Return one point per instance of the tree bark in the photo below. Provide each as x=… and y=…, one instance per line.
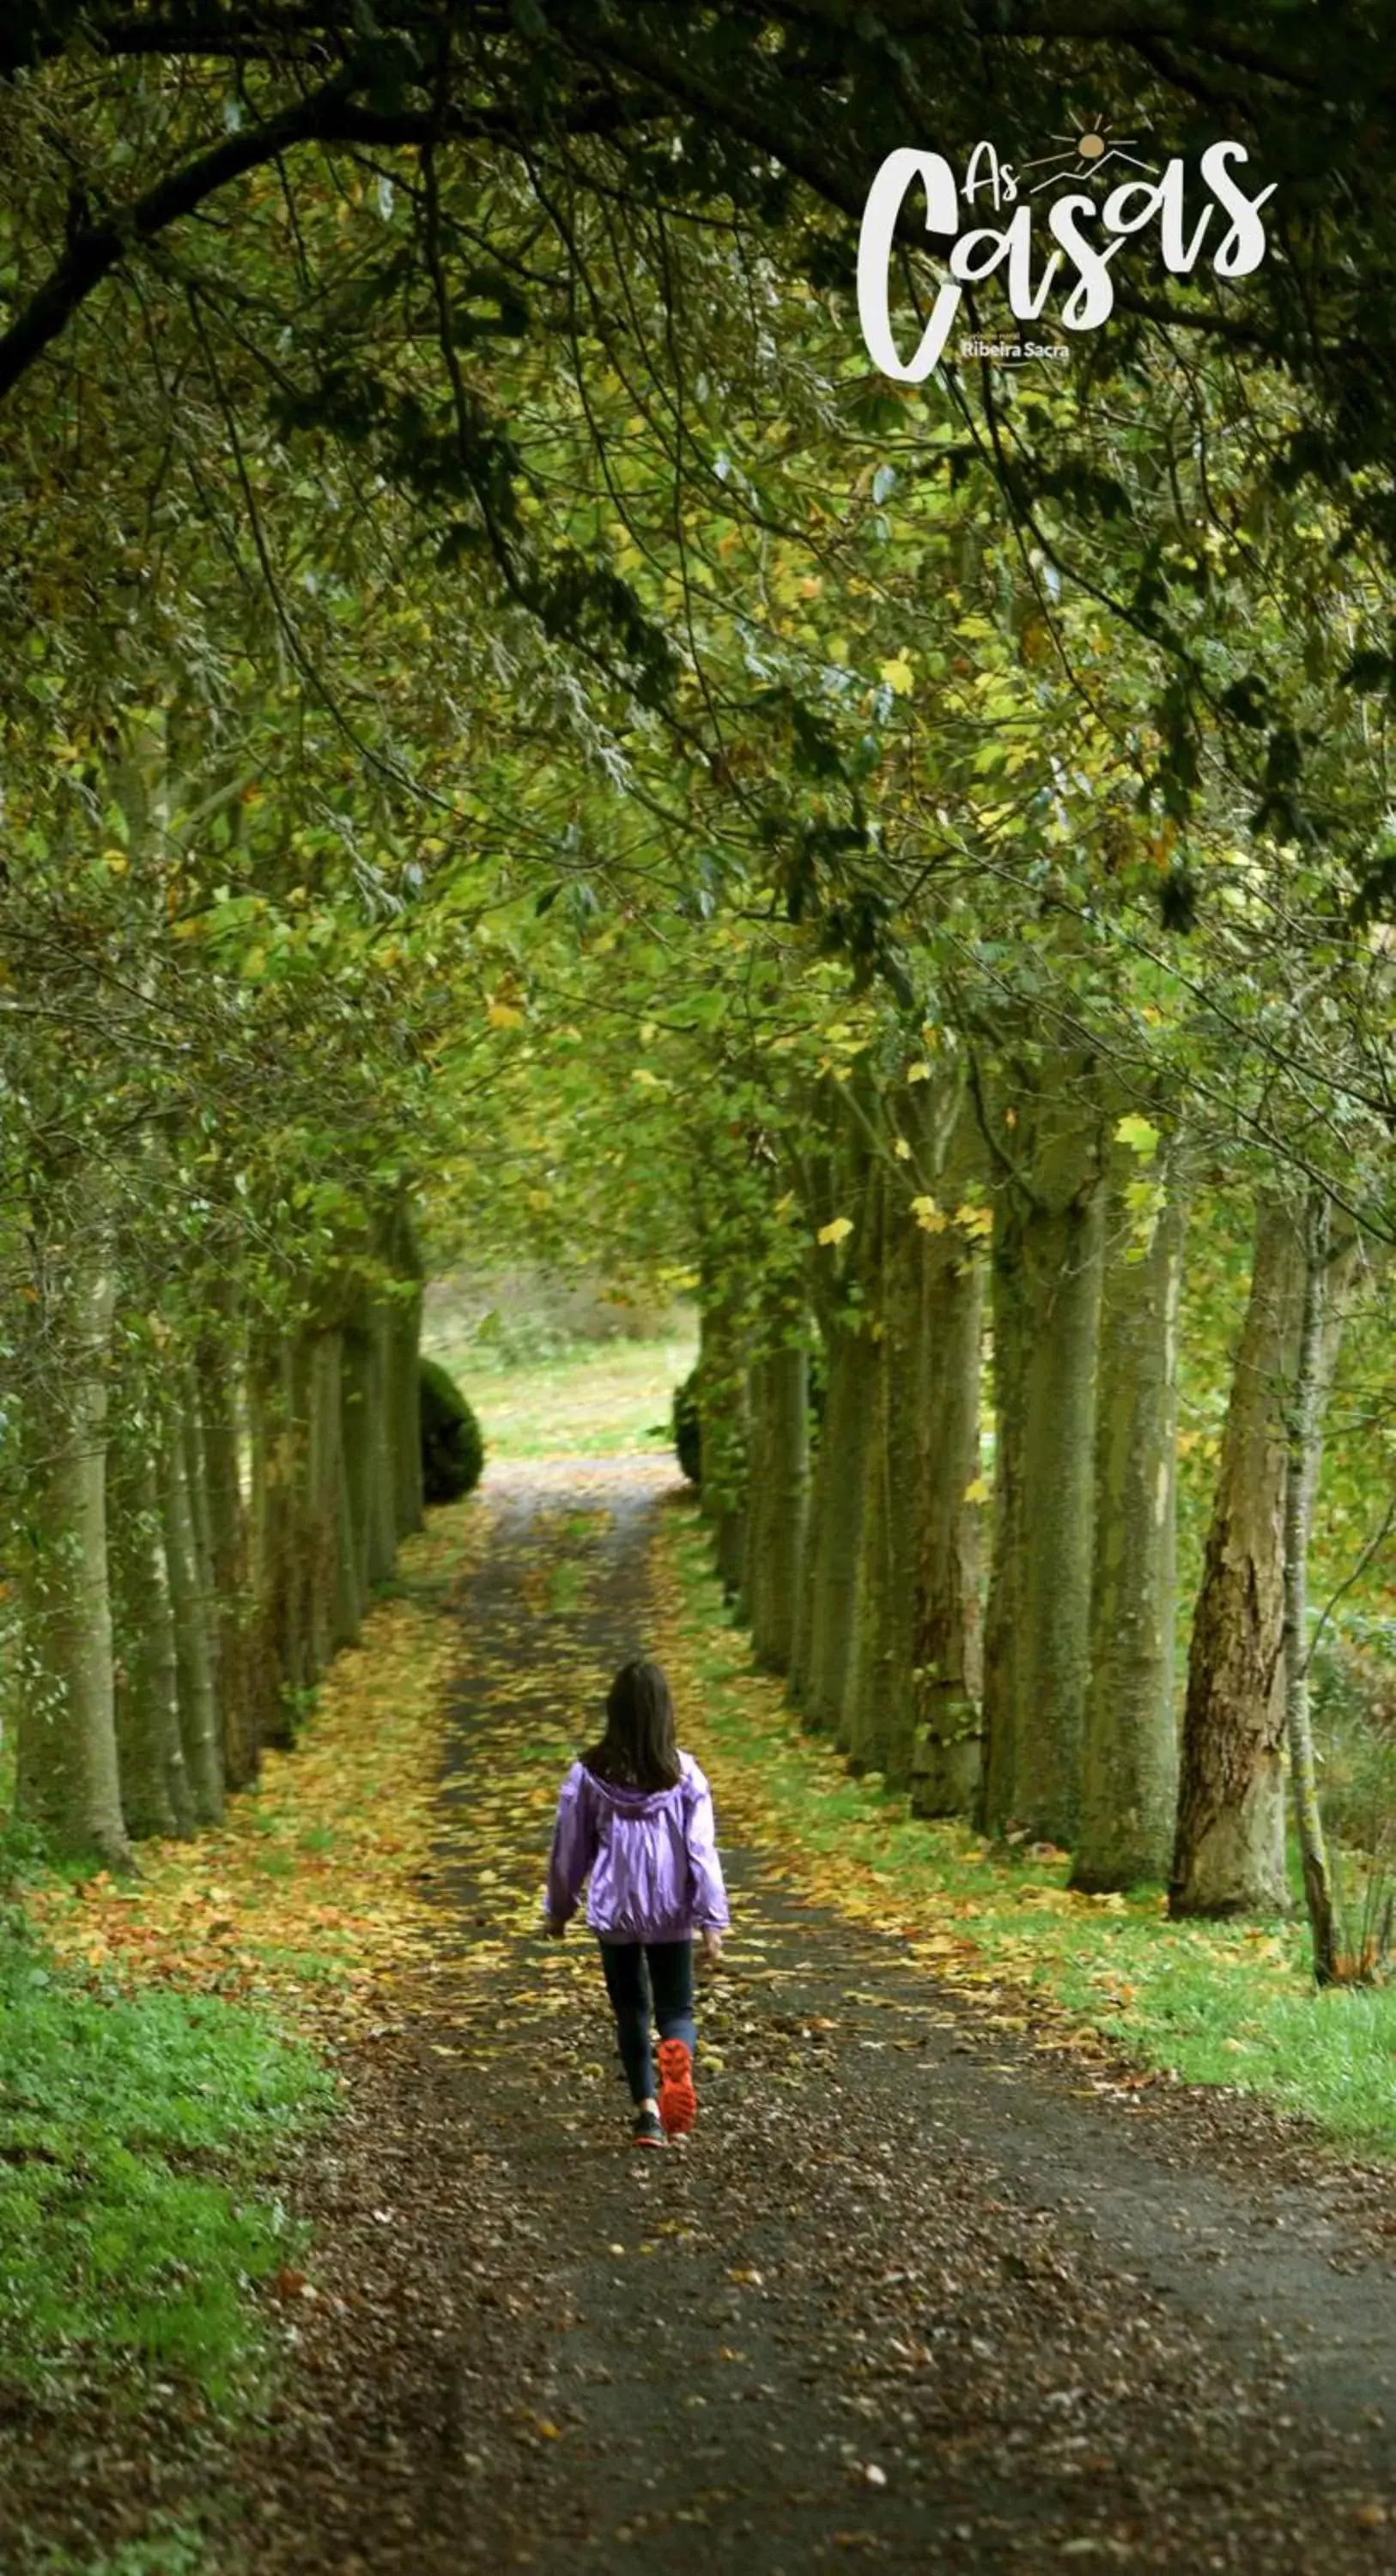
x=948, y=1655
x=280, y=1657
x=797, y=1677
x=1301, y=1480
x=1130, y=1760
x=1228, y=1852
x=189, y=1605
x=947, y=1645
x=403, y=1398
x=1048, y=1247
x=67, y=1779
x=834, y=1567
x=155, y=1793
x=723, y=1433
x=779, y=1495
x=219, y=1430
x=880, y=1718
x=857, y=1729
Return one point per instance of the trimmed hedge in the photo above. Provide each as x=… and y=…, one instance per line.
x=453, y=1450
x=687, y=1436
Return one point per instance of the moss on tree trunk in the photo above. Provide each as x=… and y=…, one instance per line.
x=833, y=1571
x=724, y=1432
x=190, y=1609
x=1049, y=1238
x=220, y=1435
x=1228, y=1853
x=155, y=1794
x=779, y=1493
x=947, y=1649
x=66, y=1757
x=1130, y=1759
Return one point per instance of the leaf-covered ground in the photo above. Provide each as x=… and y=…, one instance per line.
x=920, y=2292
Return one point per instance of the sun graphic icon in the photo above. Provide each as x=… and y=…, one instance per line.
x=1087, y=150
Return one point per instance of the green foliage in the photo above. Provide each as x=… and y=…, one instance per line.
x=453, y=1450
x=1354, y=1715
x=172, y=2549
x=130, y=2131
x=688, y=1445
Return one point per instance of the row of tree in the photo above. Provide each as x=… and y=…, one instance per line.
x=200, y=1523
x=1036, y=1694
x=479, y=652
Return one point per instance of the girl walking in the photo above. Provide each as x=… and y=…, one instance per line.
x=636, y=1816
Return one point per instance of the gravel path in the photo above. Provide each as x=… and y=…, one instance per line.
x=910, y=2295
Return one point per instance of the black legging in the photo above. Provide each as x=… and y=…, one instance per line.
x=667, y=1990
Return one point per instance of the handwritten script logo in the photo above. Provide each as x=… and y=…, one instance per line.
x=1089, y=233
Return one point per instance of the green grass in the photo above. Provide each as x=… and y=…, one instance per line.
x=176, y=2549
x=596, y=1402
x=1225, y=2003
x=132, y=2129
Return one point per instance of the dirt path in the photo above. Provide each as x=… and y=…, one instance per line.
x=908, y=2297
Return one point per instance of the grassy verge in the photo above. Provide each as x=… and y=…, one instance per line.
x=132, y=2128
x=595, y=1402
x=1213, y=2003
x=161, y=2036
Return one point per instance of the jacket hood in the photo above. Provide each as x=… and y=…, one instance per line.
x=635, y=1802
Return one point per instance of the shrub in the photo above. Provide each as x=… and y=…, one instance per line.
x=453, y=1452
x=687, y=1436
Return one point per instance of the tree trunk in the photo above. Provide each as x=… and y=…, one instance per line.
x=228, y=1559
x=947, y=1647
x=801, y=1640
x=1003, y=1610
x=359, y=1429
x=858, y=1728
x=1228, y=1853
x=339, y=1591
x=1301, y=1479
x=280, y=1659
x=834, y=1566
x=881, y=1716
x=155, y=1793
x=944, y=1386
x=723, y=1435
x=67, y=1778
x=779, y=1500
x=402, y=1395
x=194, y=1673
x=1049, y=1242
x=382, y=1488
x=1130, y=1762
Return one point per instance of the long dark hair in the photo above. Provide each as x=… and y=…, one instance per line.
x=638, y=1750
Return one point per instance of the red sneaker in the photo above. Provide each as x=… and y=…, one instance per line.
x=678, y=2103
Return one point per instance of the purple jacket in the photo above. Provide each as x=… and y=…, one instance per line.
x=651, y=1855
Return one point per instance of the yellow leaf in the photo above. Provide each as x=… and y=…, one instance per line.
x=836, y=1230
x=976, y=1491
x=898, y=676
x=902, y=1150
x=504, y=1015
x=932, y=1219
x=918, y=1073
